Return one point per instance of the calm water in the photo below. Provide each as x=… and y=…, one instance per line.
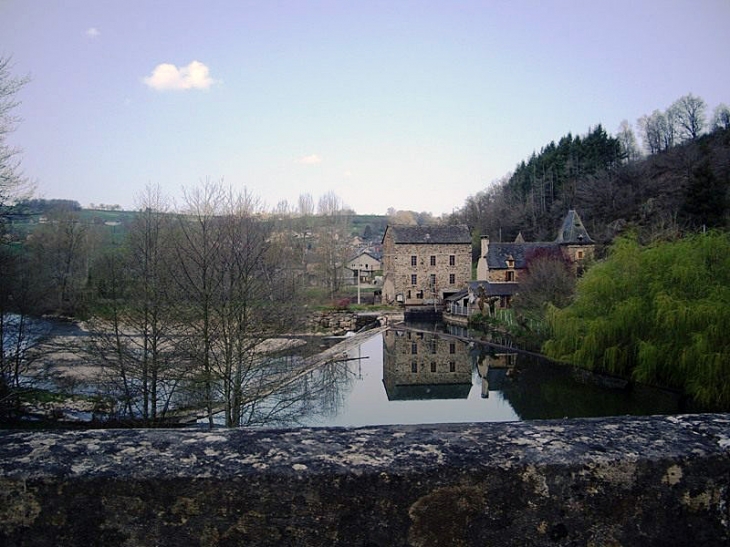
x=424, y=375
x=415, y=377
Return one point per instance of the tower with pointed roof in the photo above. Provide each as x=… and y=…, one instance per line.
x=575, y=243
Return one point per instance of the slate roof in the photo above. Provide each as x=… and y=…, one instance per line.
x=457, y=296
x=499, y=253
x=455, y=233
x=572, y=231
x=494, y=289
x=372, y=254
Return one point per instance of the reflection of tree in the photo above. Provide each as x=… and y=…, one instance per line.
x=20, y=335
x=285, y=395
x=333, y=381
x=544, y=390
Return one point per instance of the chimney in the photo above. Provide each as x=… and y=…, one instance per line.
x=485, y=246
x=482, y=269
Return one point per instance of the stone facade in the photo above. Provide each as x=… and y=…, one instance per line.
x=506, y=262
x=502, y=265
x=424, y=264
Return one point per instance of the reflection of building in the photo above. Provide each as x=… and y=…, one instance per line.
x=493, y=369
x=419, y=365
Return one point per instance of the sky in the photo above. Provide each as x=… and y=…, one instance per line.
x=410, y=105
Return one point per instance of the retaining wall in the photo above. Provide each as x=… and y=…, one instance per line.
x=615, y=481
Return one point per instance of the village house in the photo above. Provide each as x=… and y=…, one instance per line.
x=365, y=265
x=422, y=265
x=501, y=265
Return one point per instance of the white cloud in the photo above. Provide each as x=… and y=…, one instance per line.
x=92, y=32
x=166, y=76
x=314, y=159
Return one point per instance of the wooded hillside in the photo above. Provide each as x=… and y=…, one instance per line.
x=679, y=189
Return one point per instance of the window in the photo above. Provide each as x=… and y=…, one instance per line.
x=414, y=348
x=452, y=366
x=434, y=346
x=414, y=279
x=414, y=260
x=510, y=276
x=419, y=294
x=414, y=367
x=432, y=280
x=580, y=255
x=433, y=260
x=452, y=348
x=433, y=366
x=452, y=279
x=452, y=260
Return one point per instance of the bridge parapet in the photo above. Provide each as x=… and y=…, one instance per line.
x=610, y=481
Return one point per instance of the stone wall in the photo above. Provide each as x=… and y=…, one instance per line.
x=615, y=481
x=334, y=322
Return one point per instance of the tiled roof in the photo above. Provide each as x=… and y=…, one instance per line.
x=572, y=231
x=455, y=233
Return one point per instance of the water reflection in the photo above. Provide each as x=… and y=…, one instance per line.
x=418, y=366
x=406, y=376
x=416, y=376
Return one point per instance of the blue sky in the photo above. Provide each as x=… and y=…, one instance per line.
x=410, y=105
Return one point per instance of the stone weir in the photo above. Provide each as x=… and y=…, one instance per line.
x=613, y=481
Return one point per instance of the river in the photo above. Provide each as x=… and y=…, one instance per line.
x=418, y=374
x=408, y=376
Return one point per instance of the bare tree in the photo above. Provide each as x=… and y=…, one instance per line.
x=332, y=245
x=240, y=308
x=198, y=278
x=721, y=117
x=689, y=116
x=12, y=180
x=651, y=131
x=628, y=141
x=61, y=250
x=306, y=205
x=658, y=130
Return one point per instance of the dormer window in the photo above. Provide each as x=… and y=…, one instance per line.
x=510, y=262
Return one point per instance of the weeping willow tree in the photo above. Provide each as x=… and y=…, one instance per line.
x=658, y=314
